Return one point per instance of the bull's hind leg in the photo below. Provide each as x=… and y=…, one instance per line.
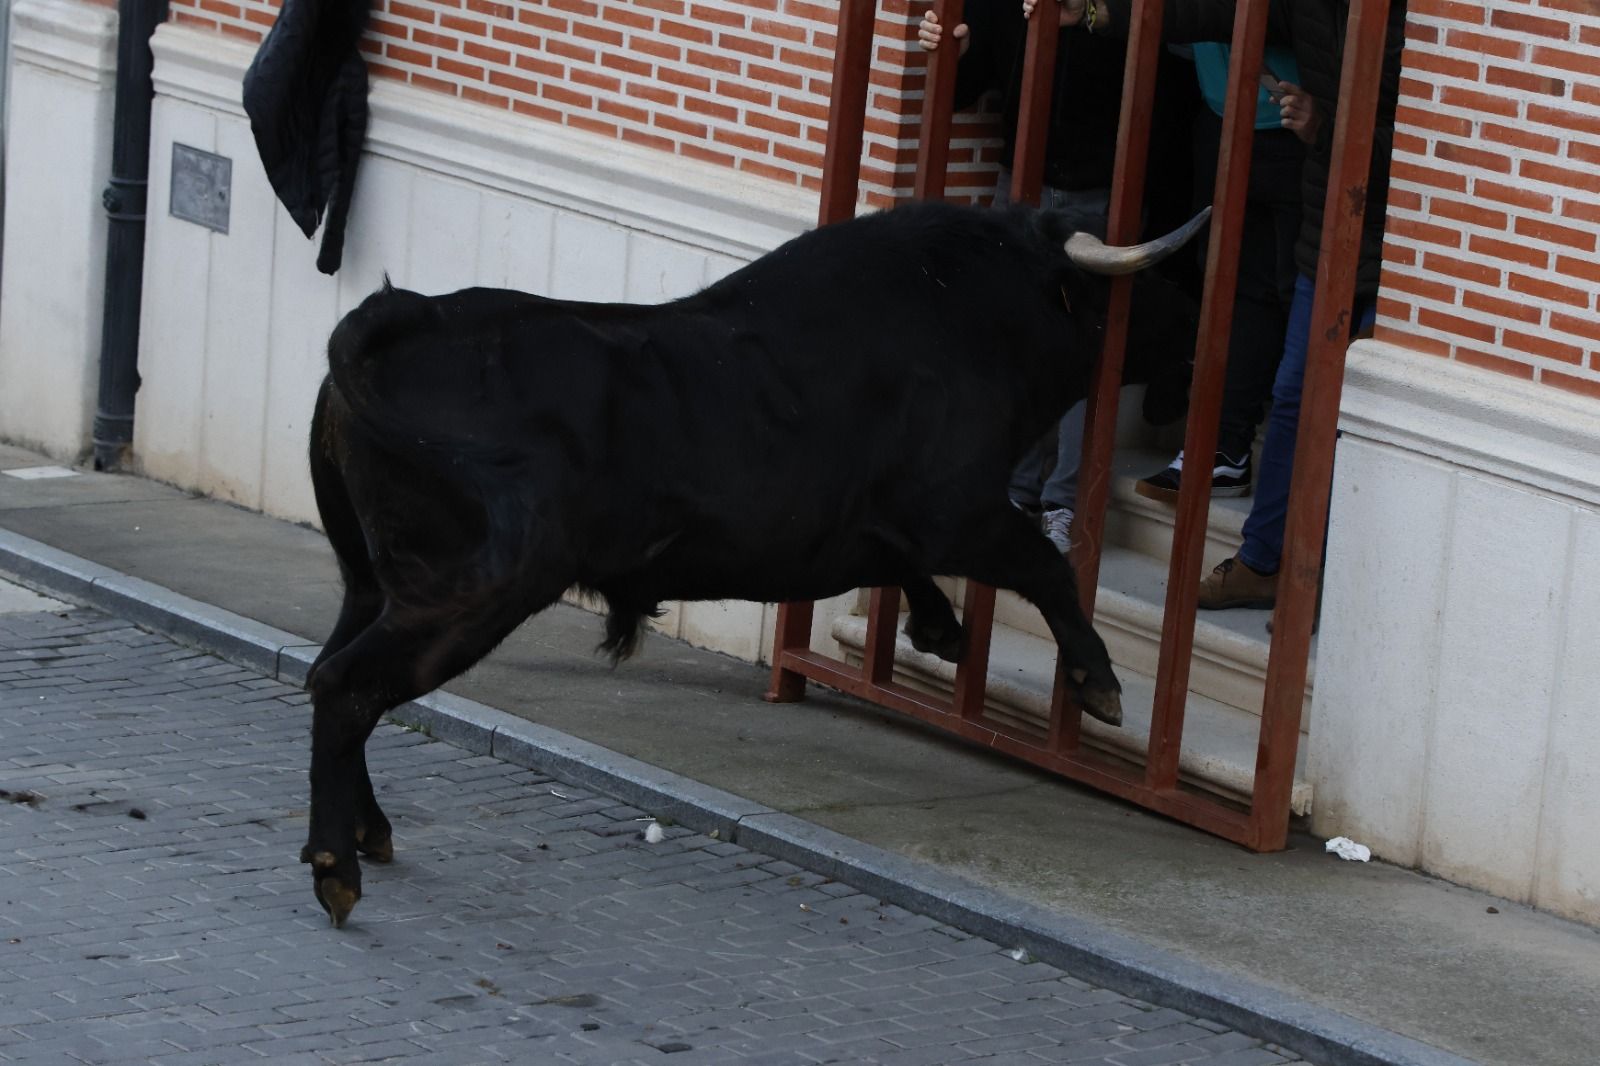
x=402, y=655
x=1006, y=550
x=931, y=623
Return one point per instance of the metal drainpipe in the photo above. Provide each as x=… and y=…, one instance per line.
x=124, y=200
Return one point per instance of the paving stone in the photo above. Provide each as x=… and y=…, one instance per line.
x=524, y=920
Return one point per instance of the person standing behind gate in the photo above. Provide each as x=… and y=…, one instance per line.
x=1266, y=255
x=1080, y=153
x=1314, y=30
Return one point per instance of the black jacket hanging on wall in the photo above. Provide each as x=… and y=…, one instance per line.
x=306, y=95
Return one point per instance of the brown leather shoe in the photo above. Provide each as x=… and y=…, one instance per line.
x=1233, y=584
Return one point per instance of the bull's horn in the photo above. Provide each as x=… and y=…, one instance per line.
x=1097, y=257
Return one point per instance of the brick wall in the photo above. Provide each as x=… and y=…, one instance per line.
x=740, y=83
x=1493, y=252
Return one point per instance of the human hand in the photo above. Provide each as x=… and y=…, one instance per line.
x=930, y=33
x=1297, y=111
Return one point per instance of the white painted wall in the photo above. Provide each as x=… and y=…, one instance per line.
x=52, y=283
x=1458, y=667
x=449, y=195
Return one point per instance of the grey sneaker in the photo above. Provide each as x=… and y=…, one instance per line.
x=1058, y=527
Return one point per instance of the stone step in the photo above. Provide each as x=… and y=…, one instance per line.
x=1219, y=741
x=1229, y=664
x=1145, y=526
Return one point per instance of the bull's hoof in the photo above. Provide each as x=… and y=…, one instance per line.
x=947, y=645
x=378, y=849
x=337, y=885
x=1103, y=703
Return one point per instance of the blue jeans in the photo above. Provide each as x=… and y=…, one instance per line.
x=1263, y=530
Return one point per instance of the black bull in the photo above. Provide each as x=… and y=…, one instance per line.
x=842, y=413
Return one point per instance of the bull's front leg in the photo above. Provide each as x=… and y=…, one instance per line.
x=345, y=816
x=1006, y=550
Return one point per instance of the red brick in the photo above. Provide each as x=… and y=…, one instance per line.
x=802, y=157
x=1537, y=171
x=614, y=61
x=1471, y=100
x=590, y=124
x=1581, y=7
x=581, y=8
x=1429, y=119
x=528, y=107
x=736, y=139
x=1542, y=346
x=244, y=33
x=1409, y=144
x=626, y=112
x=1482, y=273
x=1495, y=305
x=1404, y=201
x=1497, y=363
x=750, y=46
x=424, y=15
x=1448, y=65
x=773, y=76
x=1511, y=194
x=485, y=53
x=1578, y=209
x=697, y=131
x=1416, y=90
x=1416, y=31
x=714, y=61
x=543, y=67
x=1401, y=170
x=781, y=31
x=1405, y=338
x=1561, y=59
x=1570, y=383
x=400, y=53
x=670, y=7
x=511, y=81
x=718, y=16
x=652, y=93
x=464, y=27
x=568, y=50
x=468, y=71
x=626, y=16
x=595, y=80
x=749, y=94
x=808, y=61
x=1476, y=158
x=1547, y=290
x=1520, y=137
x=697, y=82
x=767, y=170
x=562, y=95
x=1453, y=10
x=1521, y=22
x=490, y=7
x=803, y=108
x=385, y=28
x=1486, y=44
x=1526, y=80
x=516, y=37
x=383, y=70
x=438, y=85
x=1578, y=327
x=1399, y=255
x=1426, y=232
x=1393, y=310
x=530, y=16
x=1410, y=284
x=1541, y=230
x=1576, y=121
x=659, y=49
x=478, y=96
x=603, y=34
x=1509, y=251
x=1456, y=325
x=1587, y=269
x=435, y=40
x=685, y=31
x=706, y=155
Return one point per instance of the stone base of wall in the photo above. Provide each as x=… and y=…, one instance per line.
x=449, y=195
x=1458, y=667
x=52, y=282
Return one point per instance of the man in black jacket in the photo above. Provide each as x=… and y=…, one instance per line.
x=1314, y=29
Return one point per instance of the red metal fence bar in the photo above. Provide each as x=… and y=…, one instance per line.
x=1205, y=393
x=1301, y=567
x=1156, y=786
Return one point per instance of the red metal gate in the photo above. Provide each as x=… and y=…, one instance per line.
x=1261, y=825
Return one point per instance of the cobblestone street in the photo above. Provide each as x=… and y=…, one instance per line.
x=152, y=909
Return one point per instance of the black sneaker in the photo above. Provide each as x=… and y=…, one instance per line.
x=1229, y=477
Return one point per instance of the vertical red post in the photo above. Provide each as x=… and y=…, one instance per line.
x=938, y=101
x=1205, y=393
x=841, y=180
x=1301, y=567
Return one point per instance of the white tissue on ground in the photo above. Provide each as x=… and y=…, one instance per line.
x=654, y=834
x=1346, y=848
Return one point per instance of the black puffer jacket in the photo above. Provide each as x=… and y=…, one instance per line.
x=1314, y=29
x=306, y=95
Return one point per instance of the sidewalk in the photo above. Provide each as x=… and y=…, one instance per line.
x=1290, y=937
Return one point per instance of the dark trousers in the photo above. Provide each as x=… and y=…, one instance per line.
x=1267, y=272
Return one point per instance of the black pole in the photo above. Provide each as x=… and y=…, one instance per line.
x=124, y=200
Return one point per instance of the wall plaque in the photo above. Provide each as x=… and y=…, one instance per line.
x=201, y=187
